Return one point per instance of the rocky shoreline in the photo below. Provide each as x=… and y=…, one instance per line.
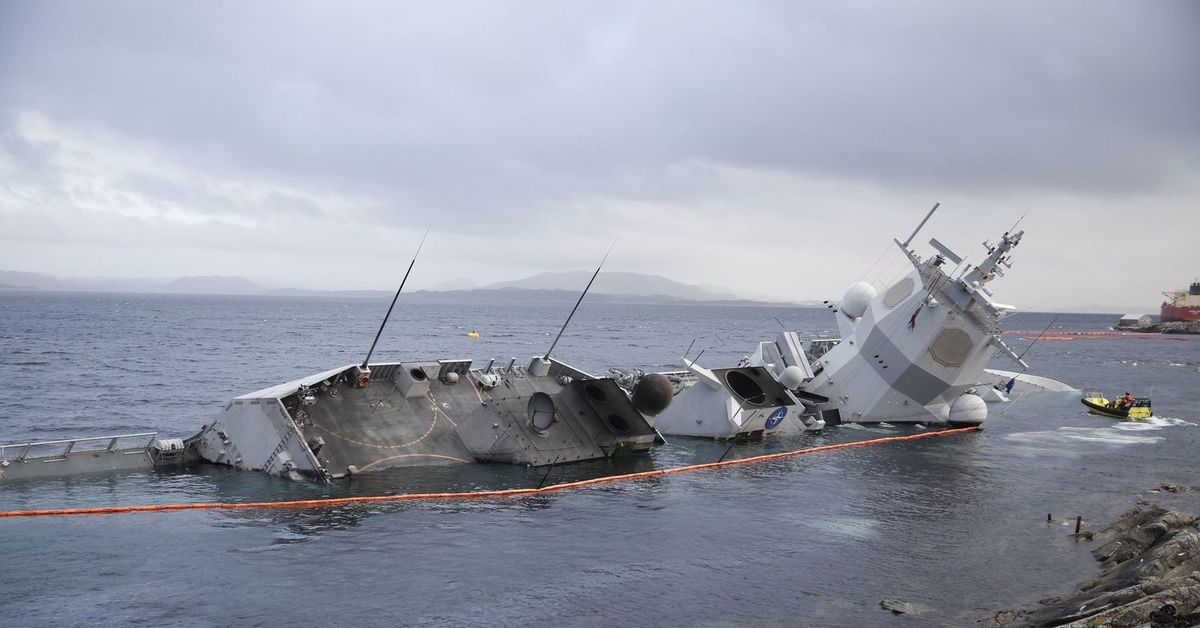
x=1173, y=327
x=1150, y=561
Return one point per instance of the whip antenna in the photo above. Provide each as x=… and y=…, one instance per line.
x=583, y=294
x=1039, y=337
x=389, y=312
x=1010, y=229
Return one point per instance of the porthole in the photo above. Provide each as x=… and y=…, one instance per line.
x=595, y=393
x=541, y=413
x=618, y=423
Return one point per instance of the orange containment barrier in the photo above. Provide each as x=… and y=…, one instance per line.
x=512, y=492
x=1095, y=335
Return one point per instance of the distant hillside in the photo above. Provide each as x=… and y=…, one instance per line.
x=1107, y=309
x=481, y=296
x=525, y=295
x=39, y=281
x=616, y=287
x=454, y=284
x=19, y=280
x=617, y=283
x=212, y=284
x=610, y=287
x=623, y=283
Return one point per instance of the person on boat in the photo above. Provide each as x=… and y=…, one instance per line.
x=1127, y=401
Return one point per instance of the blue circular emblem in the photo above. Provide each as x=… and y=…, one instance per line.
x=776, y=418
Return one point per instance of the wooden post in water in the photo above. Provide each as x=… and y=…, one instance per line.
x=1078, y=523
x=1048, y=518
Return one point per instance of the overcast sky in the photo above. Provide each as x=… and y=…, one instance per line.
x=773, y=148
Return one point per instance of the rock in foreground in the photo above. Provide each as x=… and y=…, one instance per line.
x=900, y=607
x=1151, y=577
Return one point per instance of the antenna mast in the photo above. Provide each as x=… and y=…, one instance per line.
x=389, y=311
x=923, y=221
x=912, y=257
x=583, y=294
x=1035, y=340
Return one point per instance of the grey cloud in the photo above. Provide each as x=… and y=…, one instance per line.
x=529, y=131
x=478, y=106
x=164, y=191
x=32, y=161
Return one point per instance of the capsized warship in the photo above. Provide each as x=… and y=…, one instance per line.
x=366, y=417
x=913, y=353
x=357, y=418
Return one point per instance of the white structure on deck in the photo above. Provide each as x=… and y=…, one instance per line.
x=753, y=399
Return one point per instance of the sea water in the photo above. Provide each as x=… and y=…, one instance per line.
x=957, y=524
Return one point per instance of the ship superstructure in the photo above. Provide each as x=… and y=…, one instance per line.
x=1182, y=305
x=914, y=352
x=756, y=397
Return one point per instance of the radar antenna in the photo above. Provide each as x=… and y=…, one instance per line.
x=389, y=311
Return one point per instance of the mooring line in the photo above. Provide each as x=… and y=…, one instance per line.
x=512, y=492
x=374, y=446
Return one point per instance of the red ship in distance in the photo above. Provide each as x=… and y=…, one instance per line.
x=1182, y=305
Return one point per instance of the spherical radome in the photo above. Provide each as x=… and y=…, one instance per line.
x=968, y=410
x=792, y=377
x=652, y=394
x=858, y=298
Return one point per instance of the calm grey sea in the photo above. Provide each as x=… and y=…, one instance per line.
x=957, y=524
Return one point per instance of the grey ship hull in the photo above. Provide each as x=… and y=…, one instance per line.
x=327, y=426
x=98, y=454
x=349, y=420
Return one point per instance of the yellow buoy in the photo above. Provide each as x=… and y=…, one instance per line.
x=473, y=334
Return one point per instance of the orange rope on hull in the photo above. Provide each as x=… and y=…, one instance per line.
x=512, y=492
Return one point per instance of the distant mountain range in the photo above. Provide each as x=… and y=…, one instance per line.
x=636, y=284
x=616, y=287
x=1108, y=309
x=564, y=286
x=212, y=284
x=13, y=280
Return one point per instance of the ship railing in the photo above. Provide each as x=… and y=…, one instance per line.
x=53, y=450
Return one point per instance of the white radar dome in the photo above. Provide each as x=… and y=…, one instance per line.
x=968, y=410
x=857, y=299
x=792, y=377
